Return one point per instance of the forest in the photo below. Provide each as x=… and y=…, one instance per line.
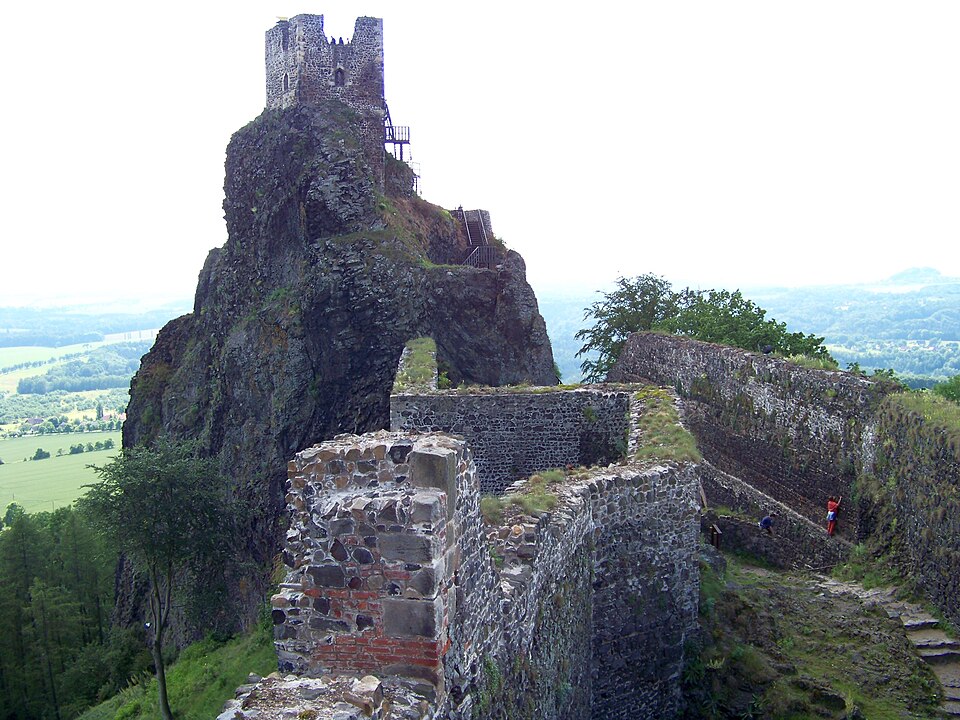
x=58, y=651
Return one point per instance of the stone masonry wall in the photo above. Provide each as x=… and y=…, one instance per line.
x=797, y=542
x=585, y=612
x=303, y=66
x=916, y=463
x=372, y=550
x=794, y=433
x=515, y=433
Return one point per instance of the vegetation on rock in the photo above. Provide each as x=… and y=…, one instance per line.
x=662, y=436
x=774, y=645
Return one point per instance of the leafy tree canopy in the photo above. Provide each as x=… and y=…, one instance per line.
x=949, y=389
x=648, y=302
x=167, y=510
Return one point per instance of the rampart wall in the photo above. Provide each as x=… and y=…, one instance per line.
x=795, y=542
x=515, y=433
x=915, y=500
x=583, y=611
x=794, y=433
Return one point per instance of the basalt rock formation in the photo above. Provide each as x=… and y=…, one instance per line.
x=300, y=318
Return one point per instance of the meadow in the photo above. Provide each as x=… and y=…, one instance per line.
x=10, y=356
x=43, y=485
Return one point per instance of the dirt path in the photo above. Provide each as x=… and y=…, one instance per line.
x=932, y=644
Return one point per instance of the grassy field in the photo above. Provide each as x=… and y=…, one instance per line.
x=15, y=355
x=40, y=485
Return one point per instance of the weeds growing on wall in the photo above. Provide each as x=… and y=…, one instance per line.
x=814, y=363
x=662, y=437
x=533, y=499
x=418, y=368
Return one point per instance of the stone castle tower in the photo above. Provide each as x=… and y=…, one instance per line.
x=304, y=67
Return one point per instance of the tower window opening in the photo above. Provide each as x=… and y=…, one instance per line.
x=286, y=82
x=338, y=77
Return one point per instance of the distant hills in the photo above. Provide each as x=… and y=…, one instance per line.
x=59, y=326
x=909, y=322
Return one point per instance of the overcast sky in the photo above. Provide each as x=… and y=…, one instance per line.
x=715, y=143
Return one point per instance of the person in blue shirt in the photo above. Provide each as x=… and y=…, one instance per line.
x=767, y=523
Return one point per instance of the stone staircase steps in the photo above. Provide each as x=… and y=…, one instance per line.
x=918, y=623
x=933, y=645
x=933, y=640
x=939, y=656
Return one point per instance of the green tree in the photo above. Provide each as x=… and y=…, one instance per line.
x=728, y=318
x=949, y=389
x=13, y=511
x=163, y=507
x=648, y=302
x=640, y=303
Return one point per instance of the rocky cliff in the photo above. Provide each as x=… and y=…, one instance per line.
x=300, y=318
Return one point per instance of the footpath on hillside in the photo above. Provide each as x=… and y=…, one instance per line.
x=933, y=644
x=781, y=644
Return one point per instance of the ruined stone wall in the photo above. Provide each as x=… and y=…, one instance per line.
x=514, y=434
x=578, y=612
x=797, y=542
x=377, y=527
x=916, y=500
x=303, y=66
x=794, y=433
x=646, y=589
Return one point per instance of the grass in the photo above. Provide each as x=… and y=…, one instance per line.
x=533, y=499
x=202, y=679
x=42, y=485
x=419, y=366
x=870, y=572
x=812, y=362
x=934, y=408
x=662, y=437
x=774, y=646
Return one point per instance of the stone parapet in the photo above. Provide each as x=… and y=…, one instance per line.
x=577, y=612
x=371, y=550
x=514, y=433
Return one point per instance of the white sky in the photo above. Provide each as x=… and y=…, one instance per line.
x=716, y=143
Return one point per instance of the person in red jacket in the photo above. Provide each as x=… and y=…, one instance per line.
x=833, y=507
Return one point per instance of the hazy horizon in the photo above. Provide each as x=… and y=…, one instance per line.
x=730, y=144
